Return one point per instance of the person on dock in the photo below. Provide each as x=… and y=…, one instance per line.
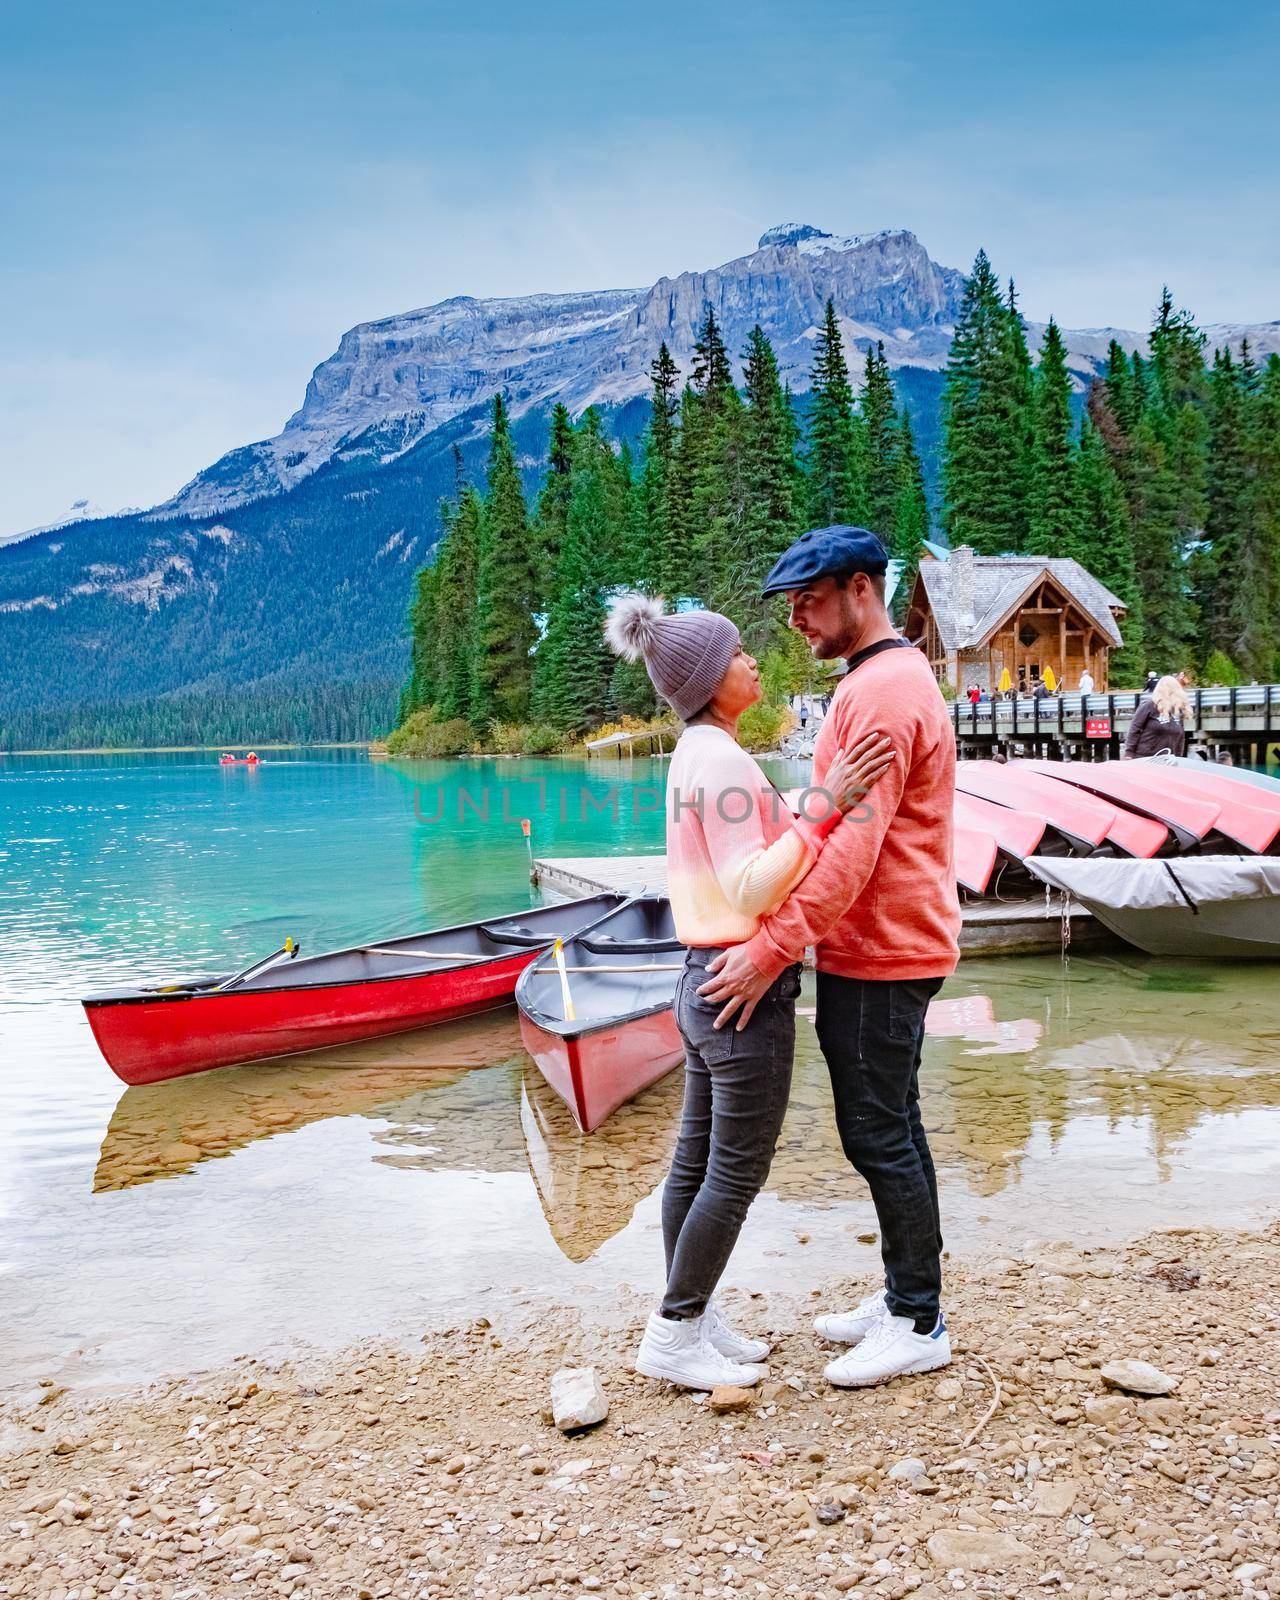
x=1159, y=723
x=734, y=851
x=881, y=907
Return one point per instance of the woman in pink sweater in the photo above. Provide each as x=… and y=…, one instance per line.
x=734, y=853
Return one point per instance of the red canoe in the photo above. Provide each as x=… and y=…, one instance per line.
x=1248, y=817
x=1187, y=817
x=307, y=1003
x=1017, y=833
x=621, y=974
x=976, y=855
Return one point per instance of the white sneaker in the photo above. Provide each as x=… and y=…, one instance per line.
x=892, y=1348
x=734, y=1345
x=849, y=1327
x=681, y=1353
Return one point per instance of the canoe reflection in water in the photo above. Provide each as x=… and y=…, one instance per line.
x=1044, y=1064
x=165, y=1129
x=588, y=1185
x=458, y=1097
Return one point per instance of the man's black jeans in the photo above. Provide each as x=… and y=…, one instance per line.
x=871, y=1033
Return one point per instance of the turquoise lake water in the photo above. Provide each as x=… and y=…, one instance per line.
x=384, y=1188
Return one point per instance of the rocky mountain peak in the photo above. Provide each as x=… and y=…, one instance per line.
x=790, y=233
x=392, y=382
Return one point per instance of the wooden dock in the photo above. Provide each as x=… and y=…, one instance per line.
x=1243, y=723
x=655, y=740
x=990, y=927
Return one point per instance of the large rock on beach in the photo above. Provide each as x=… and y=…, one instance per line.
x=977, y=1549
x=1137, y=1377
x=577, y=1399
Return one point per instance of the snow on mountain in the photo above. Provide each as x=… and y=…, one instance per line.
x=80, y=511
x=390, y=383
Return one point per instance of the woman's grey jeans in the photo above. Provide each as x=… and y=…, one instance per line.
x=736, y=1087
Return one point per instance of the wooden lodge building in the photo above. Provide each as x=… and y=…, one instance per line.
x=976, y=615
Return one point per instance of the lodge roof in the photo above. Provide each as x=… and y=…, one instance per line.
x=998, y=585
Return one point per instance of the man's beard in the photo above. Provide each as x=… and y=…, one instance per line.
x=832, y=647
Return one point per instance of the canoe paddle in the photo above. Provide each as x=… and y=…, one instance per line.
x=288, y=948
x=557, y=950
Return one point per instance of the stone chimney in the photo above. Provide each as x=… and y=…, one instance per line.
x=961, y=563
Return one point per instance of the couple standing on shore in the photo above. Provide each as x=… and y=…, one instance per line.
x=868, y=880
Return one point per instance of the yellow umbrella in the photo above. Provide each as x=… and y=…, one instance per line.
x=1050, y=682
x=1006, y=682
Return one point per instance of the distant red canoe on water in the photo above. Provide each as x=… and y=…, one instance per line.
x=251, y=760
x=307, y=1003
x=622, y=975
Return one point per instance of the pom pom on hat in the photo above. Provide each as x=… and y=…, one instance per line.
x=632, y=626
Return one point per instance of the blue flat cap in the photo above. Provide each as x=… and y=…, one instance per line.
x=825, y=550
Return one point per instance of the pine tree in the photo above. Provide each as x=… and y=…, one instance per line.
x=910, y=506
x=593, y=453
x=1267, y=490
x=553, y=498
x=712, y=374
x=772, y=489
x=681, y=576
x=1123, y=387
x=457, y=564
x=836, y=492
x=420, y=691
x=574, y=667
x=1254, y=616
x=1230, y=506
x=1054, y=521
x=710, y=472
x=878, y=410
x=1021, y=420
x=774, y=486
x=985, y=420
x=659, y=570
x=505, y=632
x=1105, y=545
x=1157, y=543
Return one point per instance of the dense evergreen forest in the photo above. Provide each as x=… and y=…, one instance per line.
x=316, y=713
x=1167, y=487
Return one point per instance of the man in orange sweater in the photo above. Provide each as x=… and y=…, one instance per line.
x=881, y=908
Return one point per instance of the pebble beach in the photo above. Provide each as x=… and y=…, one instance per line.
x=1109, y=1428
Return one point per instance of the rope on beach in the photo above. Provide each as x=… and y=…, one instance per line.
x=988, y=1413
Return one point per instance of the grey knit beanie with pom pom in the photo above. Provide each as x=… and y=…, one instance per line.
x=687, y=655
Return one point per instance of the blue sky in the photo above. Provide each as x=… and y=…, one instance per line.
x=195, y=202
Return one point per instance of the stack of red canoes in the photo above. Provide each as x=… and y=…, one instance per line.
x=1007, y=811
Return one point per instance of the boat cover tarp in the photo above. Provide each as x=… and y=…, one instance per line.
x=1126, y=885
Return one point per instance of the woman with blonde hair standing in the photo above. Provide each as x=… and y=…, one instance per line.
x=1160, y=723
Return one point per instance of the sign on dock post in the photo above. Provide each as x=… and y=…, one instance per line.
x=1097, y=728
